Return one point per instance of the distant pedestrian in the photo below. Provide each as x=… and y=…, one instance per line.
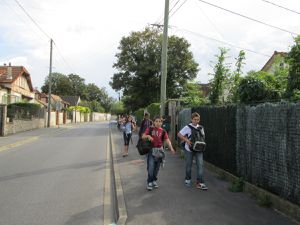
x=146, y=122
x=128, y=127
x=185, y=134
x=157, y=136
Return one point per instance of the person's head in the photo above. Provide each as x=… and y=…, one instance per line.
x=129, y=118
x=146, y=115
x=157, y=120
x=195, y=118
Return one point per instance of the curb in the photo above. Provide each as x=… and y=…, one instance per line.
x=120, y=200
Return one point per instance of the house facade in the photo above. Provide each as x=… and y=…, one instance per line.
x=15, y=85
x=277, y=57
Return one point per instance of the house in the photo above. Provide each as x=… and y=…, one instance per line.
x=205, y=88
x=39, y=98
x=276, y=57
x=73, y=100
x=15, y=84
x=58, y=104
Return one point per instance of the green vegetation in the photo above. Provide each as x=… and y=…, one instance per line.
x=138, y=64
x=237, y=185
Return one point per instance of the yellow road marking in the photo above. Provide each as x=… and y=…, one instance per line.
x=19, y=143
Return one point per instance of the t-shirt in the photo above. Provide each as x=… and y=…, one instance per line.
x=127, y=128
x=156, y=135
x=186, y=131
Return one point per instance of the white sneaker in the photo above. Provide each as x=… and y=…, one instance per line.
x=149, y=186
x=155, y=184
x=187, y=183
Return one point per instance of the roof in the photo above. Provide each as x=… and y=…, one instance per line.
x=73, y=100
x=17, y=71
x=270, y=62
x=205, y=88
x=57, y=98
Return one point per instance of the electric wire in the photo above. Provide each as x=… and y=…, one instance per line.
x=272, y=3
x=38, y=26
x=249, y=18
x=216, y=40
x=177, y=9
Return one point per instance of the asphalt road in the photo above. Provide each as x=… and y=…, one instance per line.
x=57, y=179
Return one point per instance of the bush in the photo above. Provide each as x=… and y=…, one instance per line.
x=153, y=109
x=139, y=115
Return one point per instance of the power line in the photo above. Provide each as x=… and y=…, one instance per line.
x=178, y=8
x=63, y=58
x=38, y=26
x=282, y=7
x=249, y=18
x=223, y=42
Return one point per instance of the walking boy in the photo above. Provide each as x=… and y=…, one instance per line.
x=185, y=135
x=155, y=156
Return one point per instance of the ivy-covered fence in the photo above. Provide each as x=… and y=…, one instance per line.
x=268, y=147
x=220, y=132
x=260, y=143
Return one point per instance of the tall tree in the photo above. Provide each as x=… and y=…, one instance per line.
x=139, y=62
x=220, y=74
x=293, y=58
x=78, y=85
x=235, y=77
x=60, y=84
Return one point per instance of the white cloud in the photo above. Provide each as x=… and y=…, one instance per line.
x=87, y=33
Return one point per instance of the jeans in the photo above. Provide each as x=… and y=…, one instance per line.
x=189, y=163
x=153, y=165
x=126, y=138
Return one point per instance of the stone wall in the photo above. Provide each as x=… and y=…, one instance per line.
x=23, y=125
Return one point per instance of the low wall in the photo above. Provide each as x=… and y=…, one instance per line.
x=23, y=125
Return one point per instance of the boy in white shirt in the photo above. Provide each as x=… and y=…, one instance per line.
x=185, y=135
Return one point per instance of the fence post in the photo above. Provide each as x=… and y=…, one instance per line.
x=3, y=113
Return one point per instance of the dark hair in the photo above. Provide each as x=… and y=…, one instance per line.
x=146, y=114
x=157, y=117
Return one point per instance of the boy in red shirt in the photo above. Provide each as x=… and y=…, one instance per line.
x=156, y=154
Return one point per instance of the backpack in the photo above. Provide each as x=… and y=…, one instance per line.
x=144, y=146
x=197, y=138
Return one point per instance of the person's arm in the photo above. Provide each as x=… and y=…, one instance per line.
x=184, y=138
x=147, y=136
x=170, y=146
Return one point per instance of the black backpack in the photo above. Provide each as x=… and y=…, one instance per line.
x=144, y=146
x=197, y=138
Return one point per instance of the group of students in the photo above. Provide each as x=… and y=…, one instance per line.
x=153, y=132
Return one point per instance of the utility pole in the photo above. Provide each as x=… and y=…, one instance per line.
x=50, y=83
x=164, y=61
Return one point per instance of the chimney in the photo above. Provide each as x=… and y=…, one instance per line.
x=9, y=72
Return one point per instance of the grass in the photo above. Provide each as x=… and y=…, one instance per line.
x=237, y=185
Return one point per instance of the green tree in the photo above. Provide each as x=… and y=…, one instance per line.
x=293, y=59
x=235, y=77
x=139, y=62
x=220, y=74
x=60, y=85
x=117, y=108
x=251, y=90
x=78, y=86
x=193, y=95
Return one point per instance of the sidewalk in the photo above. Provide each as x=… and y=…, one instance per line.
x=174, y=204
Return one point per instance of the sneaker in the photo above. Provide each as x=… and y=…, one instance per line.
x=187, y=183
x=155, y=184
x=201, y=186
x=149, y=186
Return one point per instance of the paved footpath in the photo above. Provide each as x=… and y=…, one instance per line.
x=174, y=204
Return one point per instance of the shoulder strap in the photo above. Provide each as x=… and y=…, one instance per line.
x=163, y=135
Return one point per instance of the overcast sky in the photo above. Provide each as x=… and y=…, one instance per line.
x=87, y=33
